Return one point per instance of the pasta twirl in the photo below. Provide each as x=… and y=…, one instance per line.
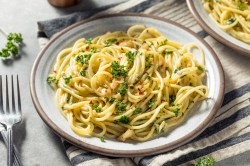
x=233, y=16
x=133, y=85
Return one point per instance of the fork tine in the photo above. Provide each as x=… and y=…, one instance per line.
x=1, y=95
x=7, y=96
x=13, y=95
x=18, y=95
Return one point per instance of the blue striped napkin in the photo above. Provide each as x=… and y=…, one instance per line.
x=228, y=135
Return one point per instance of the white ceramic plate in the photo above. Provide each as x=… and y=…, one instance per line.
x=202, y=17
x=194, y=124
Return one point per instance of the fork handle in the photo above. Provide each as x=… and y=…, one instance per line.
x=17, y=161
x=10, y=146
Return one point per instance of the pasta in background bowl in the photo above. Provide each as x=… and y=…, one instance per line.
x=122, y=64
x=225, y=20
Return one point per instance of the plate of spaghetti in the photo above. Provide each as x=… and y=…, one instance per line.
x=139, y=85
x=228, y=21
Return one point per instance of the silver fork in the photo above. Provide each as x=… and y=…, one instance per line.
x=9, y=117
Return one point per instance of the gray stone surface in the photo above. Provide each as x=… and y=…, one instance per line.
x=37, y=144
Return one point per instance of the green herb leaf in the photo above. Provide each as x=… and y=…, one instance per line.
x=68, y=98
x=183, y=76
x=150, y=104
x=89, y=41
x=111, y=100
x=123, y=88
x=164, y=42
x=178, y=69
x=229, y=21
x=172, y=98
x=120, y=106
x=131, y=56
x=137, y=111
x=205, y=161
x=51, y=79
x=5, y=53
x=16, y=37
x=167, y=52
x=109, y=42
x=102, y=139
x=97, y=109
x=93, y=50
x=118, y=70
x=67, y=79
x=200, y=68
x=176, y=111
x=83, y=59
x=124, y=119
x=242, y=6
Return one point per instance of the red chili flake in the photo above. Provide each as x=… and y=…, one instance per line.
x=119, y=58
x=117, y=43
x=90, y=102
x=55, y=71
x=87, y=48
x=141, y=93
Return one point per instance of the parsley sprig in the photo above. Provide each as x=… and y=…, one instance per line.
x=12, y=46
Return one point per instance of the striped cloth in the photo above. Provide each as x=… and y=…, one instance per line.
x=227, y=136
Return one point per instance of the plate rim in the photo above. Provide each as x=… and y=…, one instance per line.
x=127, y=153
x=221, y=39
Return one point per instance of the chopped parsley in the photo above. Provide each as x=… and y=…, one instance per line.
x=124, y=119
x=118, y=70
x=172, y=98
x=109, y=42
x=93, y=50
x=167, y=52
x=89, y=41
x=102, y=139
x=67, y=99
x=178, y=69
x=190, y=84
x=148, y=65
x=123, y=88
x=176, y=111
x=242, y=6
x=137, y=111
x=51, y=80
x=83, y=73
x=120, y=106
x=183, y=76
x=83, y=59
x=164, y=42
x=111, y=100
x=97, y=109
x=115, y=121
x=200, y=68
x=150, y=104
x=131, y=56
x=205, y=161
x=229, y=21
x=148, y=78
x=67, y=79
